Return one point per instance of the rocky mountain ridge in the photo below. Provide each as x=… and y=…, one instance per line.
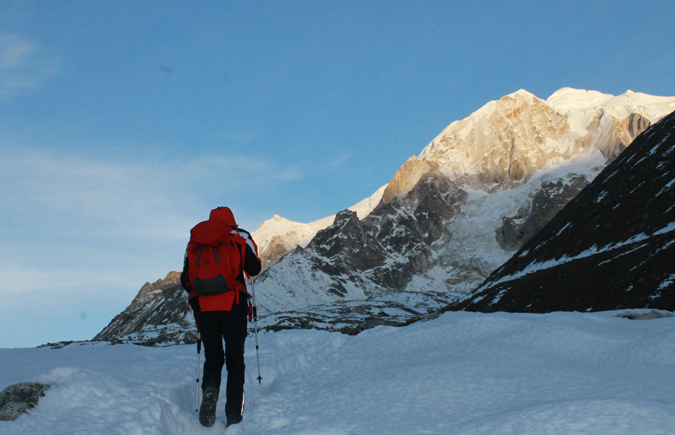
x=278, y=236
x=447, y=219
x=519, y=160
x=356, y=259
x=158, y=315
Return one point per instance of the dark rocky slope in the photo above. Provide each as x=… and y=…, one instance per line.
x=551, y=197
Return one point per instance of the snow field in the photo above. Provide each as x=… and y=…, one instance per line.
x=463, y=373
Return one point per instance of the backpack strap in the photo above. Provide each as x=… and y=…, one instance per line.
x=241, y=243
x=242, y=257
x=250, y=305
x=199, y=255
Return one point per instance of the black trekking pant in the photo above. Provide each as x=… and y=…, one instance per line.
x=214, y=326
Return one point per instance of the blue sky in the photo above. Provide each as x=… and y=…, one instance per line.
x=123, y=123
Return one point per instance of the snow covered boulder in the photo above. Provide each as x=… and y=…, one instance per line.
x=16, y=399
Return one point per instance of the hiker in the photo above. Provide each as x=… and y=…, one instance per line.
x=220, y=306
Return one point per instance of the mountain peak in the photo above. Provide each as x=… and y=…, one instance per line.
x=521, y=93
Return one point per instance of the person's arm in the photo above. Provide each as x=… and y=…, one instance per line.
x=185, y=276
x=252, y=264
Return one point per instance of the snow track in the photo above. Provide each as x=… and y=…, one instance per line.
x=463, y=373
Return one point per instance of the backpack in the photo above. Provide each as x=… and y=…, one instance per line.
x=216, y=258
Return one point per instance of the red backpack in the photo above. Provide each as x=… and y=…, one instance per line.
x=216, y=258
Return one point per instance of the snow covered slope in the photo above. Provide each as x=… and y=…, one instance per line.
x=491, y=227
x=461, y=374
x=584, y=105
x=611, y=247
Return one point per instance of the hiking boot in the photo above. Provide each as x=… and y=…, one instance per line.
x=207, y=412
x=233, y=419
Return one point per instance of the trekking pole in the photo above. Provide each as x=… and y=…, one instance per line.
x=255, y=328
x=199, y=354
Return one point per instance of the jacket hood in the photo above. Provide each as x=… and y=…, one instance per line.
x=223, y=214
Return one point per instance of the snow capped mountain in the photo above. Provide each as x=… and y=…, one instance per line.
x=277, y=237
x=612, y=247
x=517, y=162
x=506, y=141
x=447, y=219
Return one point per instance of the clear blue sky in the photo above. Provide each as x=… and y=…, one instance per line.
x=122, y=123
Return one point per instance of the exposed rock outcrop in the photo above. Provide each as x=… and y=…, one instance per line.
x=352, y=317
x=405, y=179
x=551, y=197
x=17, y=399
